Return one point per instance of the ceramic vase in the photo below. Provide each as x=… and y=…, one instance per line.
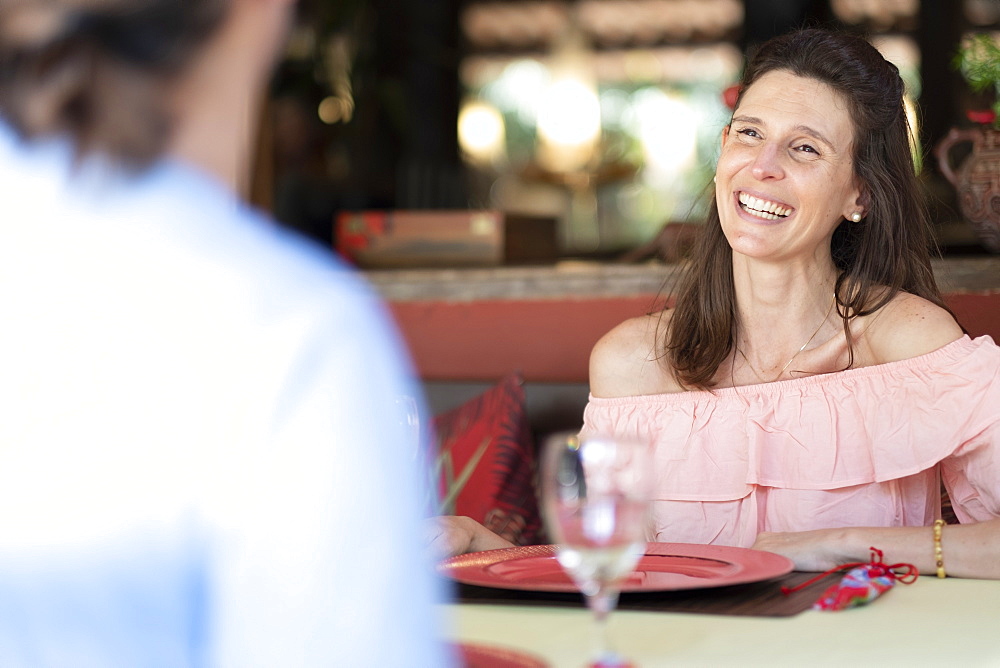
x=977, y=180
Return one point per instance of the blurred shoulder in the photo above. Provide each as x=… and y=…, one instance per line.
x=909, y=326
x=628, y=360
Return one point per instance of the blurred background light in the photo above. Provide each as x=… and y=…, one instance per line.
x=667, y=127
x=481, y=132
x=570, y=114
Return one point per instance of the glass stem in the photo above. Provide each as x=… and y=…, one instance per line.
x=601, y=604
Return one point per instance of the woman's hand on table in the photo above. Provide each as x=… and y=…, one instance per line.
x=449, y=535
x=968, y=550
x=817, y=550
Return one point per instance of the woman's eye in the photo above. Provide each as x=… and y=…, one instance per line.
x=806, y=148
x=748, y=132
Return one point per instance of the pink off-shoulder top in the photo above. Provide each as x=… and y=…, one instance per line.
x=862, y=447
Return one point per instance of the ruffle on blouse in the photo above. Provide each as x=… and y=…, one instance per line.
x=831, y=431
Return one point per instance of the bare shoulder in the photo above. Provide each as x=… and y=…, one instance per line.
x=625, y=361
x=909, y=326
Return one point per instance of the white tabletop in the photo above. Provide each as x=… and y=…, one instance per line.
x=932, y=622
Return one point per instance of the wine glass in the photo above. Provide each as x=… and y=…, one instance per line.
x=595, y=495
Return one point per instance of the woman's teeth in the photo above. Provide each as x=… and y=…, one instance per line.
x=762, y=208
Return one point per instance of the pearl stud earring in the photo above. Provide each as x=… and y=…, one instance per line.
x=856, y=216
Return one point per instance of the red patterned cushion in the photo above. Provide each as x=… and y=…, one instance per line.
x=486, y=462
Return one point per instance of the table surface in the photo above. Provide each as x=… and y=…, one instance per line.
x=931, y=622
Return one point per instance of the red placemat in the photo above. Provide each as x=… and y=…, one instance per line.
x=762, y=599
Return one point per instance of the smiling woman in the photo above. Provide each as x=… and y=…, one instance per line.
x=819, y=139
x=809, y=391
x=814, y=271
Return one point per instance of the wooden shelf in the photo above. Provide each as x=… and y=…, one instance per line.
x=479, y=324
x=595, y=279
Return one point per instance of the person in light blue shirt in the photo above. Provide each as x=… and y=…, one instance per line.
x=198, y=456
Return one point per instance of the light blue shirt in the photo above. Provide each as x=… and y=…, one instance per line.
x=198, y=460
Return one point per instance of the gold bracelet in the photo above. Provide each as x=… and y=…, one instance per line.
x=938, y=552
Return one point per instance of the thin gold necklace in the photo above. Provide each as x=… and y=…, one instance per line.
x=808, y=341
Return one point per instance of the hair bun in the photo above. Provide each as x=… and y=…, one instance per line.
x=97, y=70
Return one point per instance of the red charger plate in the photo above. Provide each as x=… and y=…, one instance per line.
x=665, y=567
x=475, y=655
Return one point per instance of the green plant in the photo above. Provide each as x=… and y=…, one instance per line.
x=978, y=59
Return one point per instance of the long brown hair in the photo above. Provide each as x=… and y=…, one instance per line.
x=96, y=70
x=887, y=252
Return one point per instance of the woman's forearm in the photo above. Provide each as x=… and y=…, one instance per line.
x=968, y=550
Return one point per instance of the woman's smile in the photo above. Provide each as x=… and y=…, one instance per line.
x=762, y=208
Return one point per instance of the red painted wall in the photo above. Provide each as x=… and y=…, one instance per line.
x=550, y=340
x=978, y=313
